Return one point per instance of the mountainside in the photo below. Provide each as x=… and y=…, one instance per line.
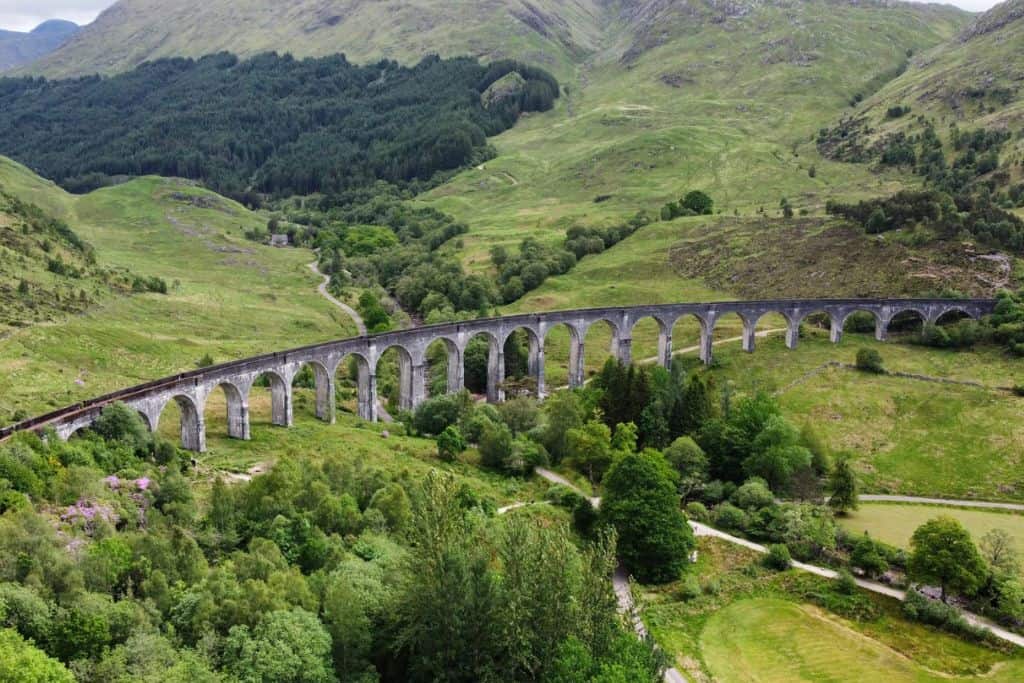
x=272, y=124
x=552, y=33
x=17, y=49
x=975, y=80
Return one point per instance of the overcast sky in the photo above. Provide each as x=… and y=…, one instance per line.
x=24, y=15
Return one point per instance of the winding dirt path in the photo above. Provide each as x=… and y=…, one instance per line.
x=322, y=289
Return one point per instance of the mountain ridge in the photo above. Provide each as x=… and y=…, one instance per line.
x=557, y=34
x=18, y=48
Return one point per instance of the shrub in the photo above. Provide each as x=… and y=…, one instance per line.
x=870, y=360
x=697, y=511
x=845, y=583
x=778, y=557
x=917, y=607
x=688, y=589
x=753, y=495
x=867, y=555
x=436, y=414
x=584, y=518
x=728, y=516
x=450, y=443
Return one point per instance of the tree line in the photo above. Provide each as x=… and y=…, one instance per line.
x=270, y=124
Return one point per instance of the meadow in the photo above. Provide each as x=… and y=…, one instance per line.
x=228, y=297
x=906, y=436
x=895, y=523
x=775, y=640
x=750, y=623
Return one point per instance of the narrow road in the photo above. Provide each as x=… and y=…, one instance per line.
x=991, y=505
x=360, y=325
x=873, y=586
x=620, y=580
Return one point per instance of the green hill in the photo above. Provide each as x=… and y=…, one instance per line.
x=226, y=295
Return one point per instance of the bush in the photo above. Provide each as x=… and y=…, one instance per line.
x=778, y=557
x=869, y=556
x=917, y=607
x=753, y=495
x=728, y=516
x=698, y=512
x=870, y=360
x=435, y=415
x=584, y=518
x=845, y=583
x=450, y=444
x=688, y=589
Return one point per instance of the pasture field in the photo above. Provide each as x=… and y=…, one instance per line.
x=776, y=640
x=749, y=623
x=906, y=436
x=227, y=296
x=895, y=523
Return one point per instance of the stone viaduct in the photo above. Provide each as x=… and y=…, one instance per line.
x=190, y=390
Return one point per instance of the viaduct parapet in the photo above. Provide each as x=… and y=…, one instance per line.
x=191, y=390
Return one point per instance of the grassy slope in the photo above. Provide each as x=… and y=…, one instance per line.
x=907, y=436
x=775, y=640
x=133, y=31
x=895, y=524
x=749, y=93
x=229, y=297
x=830, y=648
x=984, y=57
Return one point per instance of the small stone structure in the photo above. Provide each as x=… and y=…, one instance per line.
x=190, y=390
x=279, y=240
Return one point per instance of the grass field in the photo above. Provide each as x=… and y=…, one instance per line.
x=776, y=640
x=895, y=523
x=350, y=439
x=712, y=635
x=906, y=436
x=227, y=296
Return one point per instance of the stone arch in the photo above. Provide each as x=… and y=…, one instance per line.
x=647, y=335
x=692, y=332
x=236, y=406
x=444, y=366
x=523, y=358
x=489, y=376
x=835, y=328
x=597, y=333
x=313, y=374
x=562, y=350
x=192, y=425
x=355, y=369
x=903, y=317
x=944, y=313
x=280, y=396
x=848, y=322
x=405, y=379
x=150, y=427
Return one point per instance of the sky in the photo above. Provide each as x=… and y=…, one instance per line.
x=25, y=15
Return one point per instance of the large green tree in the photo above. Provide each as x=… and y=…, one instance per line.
x=942, y=553
x=641, y=502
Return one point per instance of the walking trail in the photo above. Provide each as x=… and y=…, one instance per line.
x=625, y=596
x=360, y=325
